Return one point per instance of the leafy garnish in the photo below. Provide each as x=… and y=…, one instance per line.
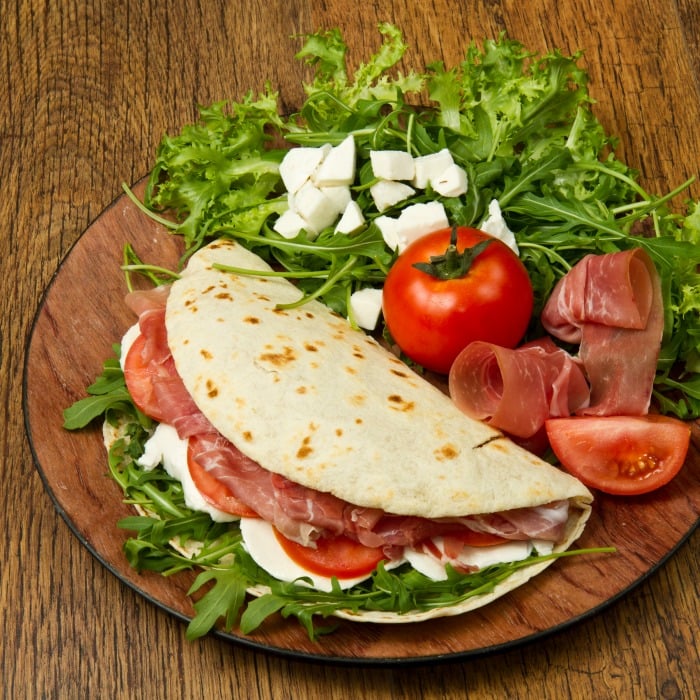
x=521, y=125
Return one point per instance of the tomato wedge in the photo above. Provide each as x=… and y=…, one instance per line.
x=338, y=556
x=214, y=491
x=620, y=455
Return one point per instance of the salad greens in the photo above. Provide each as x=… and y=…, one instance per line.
x=523, y=129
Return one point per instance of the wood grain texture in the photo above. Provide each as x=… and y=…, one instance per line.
x=87, y=89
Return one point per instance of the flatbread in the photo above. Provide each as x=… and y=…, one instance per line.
x=308, y=397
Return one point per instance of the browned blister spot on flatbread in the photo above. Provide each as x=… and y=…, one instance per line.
x=247, y=436
x=351, y=370
x=398, y=403
x=206, y=354
x=224, y=296
x=280, y=358
x=446, y=452
x=212, y=389
x=305, y=450
x=253, y=320
x=358, y=399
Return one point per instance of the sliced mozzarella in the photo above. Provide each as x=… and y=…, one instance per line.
x=434, y=568
x=263, y=546
x=166, y=448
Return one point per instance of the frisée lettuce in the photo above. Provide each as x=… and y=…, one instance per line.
x=520, y=125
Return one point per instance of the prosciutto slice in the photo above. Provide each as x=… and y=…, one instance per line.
x=517, y=390
x=298, y=512
x=612, y=305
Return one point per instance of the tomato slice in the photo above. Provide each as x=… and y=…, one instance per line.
x=337, y=556
x=138, y=376
x=214, y=491
x=620, y=455
x=471, y=538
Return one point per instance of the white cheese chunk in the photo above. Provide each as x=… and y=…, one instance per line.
x=165, y=447
x=351, y=219
x=289, y=224
x=494, y=224
x=338, y=167
x=339, y=195
x=316, y=208
x=366, y=305
x=418, y=220
x=386, y=193
x=389, y=228
x=392, y=165
x=452, y=182
x=429, y=167
x=298, y=165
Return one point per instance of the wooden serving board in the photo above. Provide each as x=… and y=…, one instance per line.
x=83, y=314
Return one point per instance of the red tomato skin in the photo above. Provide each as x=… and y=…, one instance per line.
x=620, y=455
x=138, y=376
x=214, y=491
x=432, y=320
x=338, y=556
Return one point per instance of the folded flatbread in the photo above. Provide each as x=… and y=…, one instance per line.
x=326, y=406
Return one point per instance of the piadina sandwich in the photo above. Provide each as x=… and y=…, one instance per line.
x=322, y=446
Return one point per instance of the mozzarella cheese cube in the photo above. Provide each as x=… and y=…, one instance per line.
x=315, y=207
x=386, y=193
x=339, y=195
x=366, y=305
x=494, y=224
x=298, y=165
x=430, y=167
x=418, y=220
x=289, y=224
x=452, y=182
x=351, y=219
x=392, y=165
x=338, y=166
x=389, y=228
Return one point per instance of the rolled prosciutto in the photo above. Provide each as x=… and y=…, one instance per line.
x=612, y=306
x=517, y=390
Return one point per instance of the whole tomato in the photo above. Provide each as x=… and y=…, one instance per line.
x=452, y=287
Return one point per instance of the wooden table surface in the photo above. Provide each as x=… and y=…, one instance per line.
x=86, y=91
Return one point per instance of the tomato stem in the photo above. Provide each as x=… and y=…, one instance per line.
x=452, y=264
